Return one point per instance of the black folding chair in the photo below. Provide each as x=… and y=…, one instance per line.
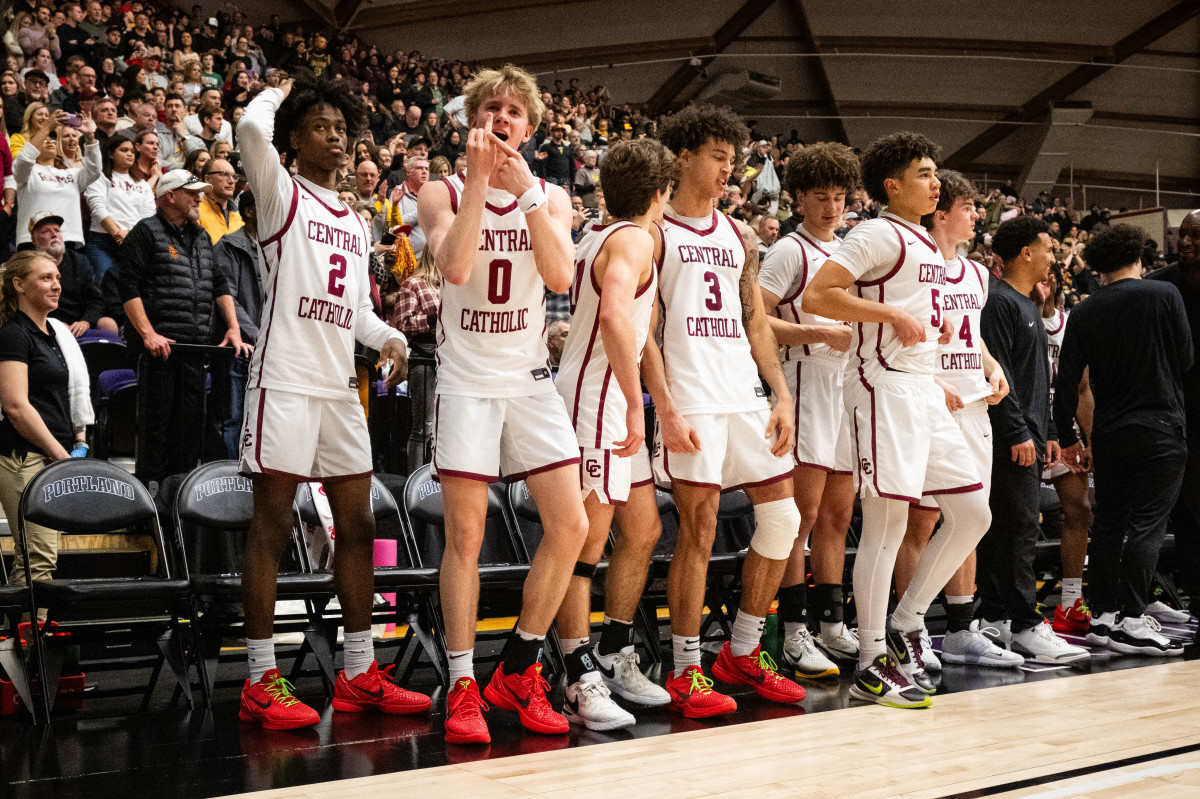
x=82, y=496
x=14, y=601
x=212, y=510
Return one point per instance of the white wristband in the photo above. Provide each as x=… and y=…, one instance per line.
x=532, y=200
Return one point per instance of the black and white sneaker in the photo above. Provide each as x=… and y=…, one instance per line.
x=883, y=683
x=907, y=651
x=1142, y=635
x=1100, y=628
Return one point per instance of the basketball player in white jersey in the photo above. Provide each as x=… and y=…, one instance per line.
x=887, y=278
x=303, y=418
x=814, y=358
x=714, y=334
x=1071, y=615
x=971, y=380
x=612, y=300
x=500, y=238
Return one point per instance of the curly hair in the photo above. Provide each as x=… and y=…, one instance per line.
x=632, y=173
x=1115, y=248
x=823, y=165
x=889, y=156
x=1016, y=234
x=691, y=127
x=306, y=93
x=955, y=186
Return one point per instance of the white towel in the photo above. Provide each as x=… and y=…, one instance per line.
x=80, y=385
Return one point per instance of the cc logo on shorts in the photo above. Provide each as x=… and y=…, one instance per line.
x=864, y=466
x=592, y=467
x=247, y=438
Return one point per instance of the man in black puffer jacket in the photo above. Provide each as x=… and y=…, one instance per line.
x=170, y=291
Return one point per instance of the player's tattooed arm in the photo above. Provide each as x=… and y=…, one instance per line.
x=763, y=345
x=748, y=287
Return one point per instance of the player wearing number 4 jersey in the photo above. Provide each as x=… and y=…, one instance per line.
x=720, y=433
x=887, y=278
x=500, y=237
x=612, y=301
x=303, y=419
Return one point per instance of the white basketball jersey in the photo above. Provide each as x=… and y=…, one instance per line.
x=491, y=333
x=708, y=363
x=911, y=276
x=585, y=378
x=1056, y=327
x=790, y=265
x=317, y=279
x=960, y=361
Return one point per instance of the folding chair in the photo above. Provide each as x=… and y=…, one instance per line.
x=102, y=355
x=14, y=601
x=115, y=397
x=82, y=496
x=212, y=511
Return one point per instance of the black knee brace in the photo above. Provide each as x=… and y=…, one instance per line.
x=585, y=570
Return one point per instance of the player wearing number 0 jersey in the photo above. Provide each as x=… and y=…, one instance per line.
x=500, y=237
x=303, y=418
x=970, y=380
x=613, y=299
x=888, y=278
x=719, y=432
x=814, y=362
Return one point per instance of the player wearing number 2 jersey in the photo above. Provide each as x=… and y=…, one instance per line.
x=500, y=237
x=303, y=419
x=887, y=278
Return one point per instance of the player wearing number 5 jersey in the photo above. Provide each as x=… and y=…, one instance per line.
x=887, y=278
x=303, y=418
x=500, y=237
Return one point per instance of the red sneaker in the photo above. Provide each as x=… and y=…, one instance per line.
x=269, y=702
x=374, y=690
x=464, y=714
x=692, y=694
x=758, y=671
x=1075, y=620
x=526, y=695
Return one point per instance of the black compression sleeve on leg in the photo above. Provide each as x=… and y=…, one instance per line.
x=584, y=570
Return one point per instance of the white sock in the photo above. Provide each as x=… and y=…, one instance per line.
x=524, y=636
x=747, y=632
x=831, y=630
x=569, y=645
x=871, y=644
x=260, y=657
x=462, y=664
x=884, y=524
x=1072, y=590
x=359, y=653
x=791, y=628
x=959, y=600
x=687, y=651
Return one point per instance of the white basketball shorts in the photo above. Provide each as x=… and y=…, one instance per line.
x=303, y=437
x=822, y=426
x=611, y=477
x=733, y=454
x=976, y=427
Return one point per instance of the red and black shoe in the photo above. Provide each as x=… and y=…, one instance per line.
x=526, y=695
x=374, y=690
x=464, y=714
x=1075, y=620
x=693, y=696
x=270, y=703
x=758, y=671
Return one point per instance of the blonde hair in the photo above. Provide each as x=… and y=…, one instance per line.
x=19, y=267
x=27, y=118
x=437, y=164
x=427, y=270
x=507, y=80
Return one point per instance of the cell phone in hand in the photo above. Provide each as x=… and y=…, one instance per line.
x=72, y=120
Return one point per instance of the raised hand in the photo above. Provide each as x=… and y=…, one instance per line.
x=481, y=149
x=511, y=172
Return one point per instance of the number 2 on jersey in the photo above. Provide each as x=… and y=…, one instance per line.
x=713, y=301
x=336, y=275
x=499, y=281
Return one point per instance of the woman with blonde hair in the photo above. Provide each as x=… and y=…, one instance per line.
x=14, y=103
x=46, y=182
x=439, y=167
x=68, y=146
x=35, y=114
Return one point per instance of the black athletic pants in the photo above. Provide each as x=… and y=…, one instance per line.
x=1139, y=472
x=1185, y=523
x=174, y=434
x=1004, y=558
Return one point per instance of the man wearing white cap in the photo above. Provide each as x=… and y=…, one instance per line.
x=169, y=287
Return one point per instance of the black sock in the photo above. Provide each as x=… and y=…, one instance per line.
x=958, y=617
x=579, y=663
x=793, y=603
x=614, y=636
x=827, y=602
x=522, y=654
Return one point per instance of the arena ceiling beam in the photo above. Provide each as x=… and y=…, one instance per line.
x=816, y=66
x=320, y=11
x=411, y=13
x=1075, y=80
x=724, y=36
x=941, y=46
x=345, y=12
x=604, y=54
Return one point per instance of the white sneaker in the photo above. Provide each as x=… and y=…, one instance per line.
x=974, y=648
x=908, y=653
x=1040, y=644
x=1142, y=635
x=998, y=632
x=843, y=646
x=590, y=703
x=932, y=663
x=801, y=655
x=624, y=677
x=1165, y=613
x=1100, y=628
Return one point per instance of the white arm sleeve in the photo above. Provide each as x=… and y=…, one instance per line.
x=270, y=182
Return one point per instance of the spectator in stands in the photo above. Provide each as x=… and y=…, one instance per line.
x=587, y=178
x=37, y=86
x=172, y=294
x=146, y=166
x=39, y=36
x=151, y=77
x=415, y=315
x=36, y=113
x=80, y=306
x=68, y=146
x=104, y=112
x=557, y=165
x=80, y=78
x=768, y=233
x=44, y=181
x=556, y=339
x=14, y=102
x=411, y=123
x=72, y=38
x=174, y=141
x=401, y=208
x=217, y=214
x=236, y=256
x=46, y=407
x=117, y=202
x=212, y=119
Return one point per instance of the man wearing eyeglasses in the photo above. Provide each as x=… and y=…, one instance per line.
x=217, y=213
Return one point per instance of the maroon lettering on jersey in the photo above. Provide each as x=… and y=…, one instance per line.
x=505, y=240
x=325, y=312
x=961, y=361
x=961, y=302
x=933, y=273
x=494, y=321
x=336, y=237
x=709, y=256
x=713, y=327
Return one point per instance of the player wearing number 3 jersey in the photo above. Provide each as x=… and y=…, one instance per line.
x=500, y=237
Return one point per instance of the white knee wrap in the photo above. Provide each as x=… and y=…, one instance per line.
x=777, y=524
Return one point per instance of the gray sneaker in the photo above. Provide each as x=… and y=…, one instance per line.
x=975, y=648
